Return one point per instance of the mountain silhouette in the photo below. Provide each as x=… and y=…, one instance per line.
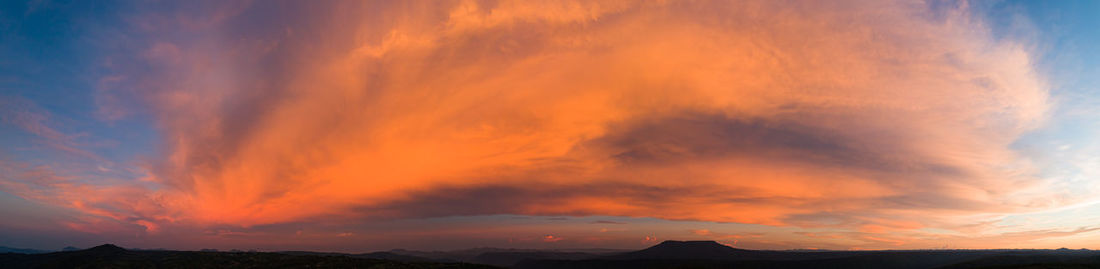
x=104, y=249
x=687, y=250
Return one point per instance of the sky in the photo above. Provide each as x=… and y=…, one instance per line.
x=436, y=125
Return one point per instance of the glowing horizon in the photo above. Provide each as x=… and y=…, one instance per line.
x=371, y=125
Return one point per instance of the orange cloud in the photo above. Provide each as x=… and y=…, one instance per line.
x=817, y=115
x=551, y=238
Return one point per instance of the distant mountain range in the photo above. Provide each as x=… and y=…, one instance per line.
x=111, y=256
x=4, y=249
x=668, y=254
x=22, y=250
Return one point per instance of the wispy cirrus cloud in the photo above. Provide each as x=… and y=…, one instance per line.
x=29, y=117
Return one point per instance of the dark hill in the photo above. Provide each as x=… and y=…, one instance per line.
x=105, y=249
x=686, y=250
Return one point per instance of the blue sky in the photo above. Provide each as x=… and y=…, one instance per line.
x=113, y=97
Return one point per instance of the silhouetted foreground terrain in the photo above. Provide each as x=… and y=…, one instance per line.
x=669, y=254
x=710, y=254
x=110, y=256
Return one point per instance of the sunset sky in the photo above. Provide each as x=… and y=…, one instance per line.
x=435, y=125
